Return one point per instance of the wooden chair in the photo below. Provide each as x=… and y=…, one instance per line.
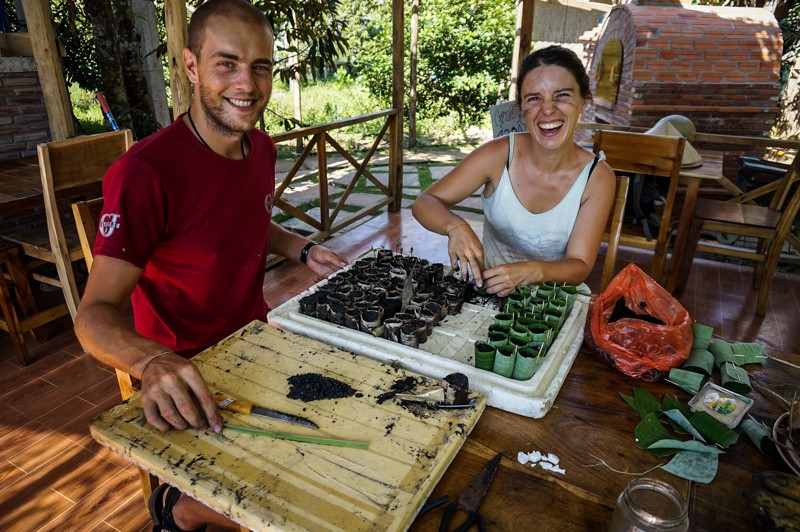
x=614, y=230
x=87, y=219
x=19, y=310
x=660, y=156
x=67, y=168
x=770, y=225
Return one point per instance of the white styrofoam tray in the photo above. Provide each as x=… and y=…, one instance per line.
x=450, y=349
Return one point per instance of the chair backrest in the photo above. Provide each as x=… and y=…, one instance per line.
x=68, y=164
x=656, y=155
x=613, y=230
x=789, y=205
x=87, y=219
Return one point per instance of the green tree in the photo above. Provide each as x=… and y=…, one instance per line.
x=464, y=53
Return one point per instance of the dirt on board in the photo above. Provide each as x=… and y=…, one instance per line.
x=313, y=387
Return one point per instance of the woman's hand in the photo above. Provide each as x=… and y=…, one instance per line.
x=466, y=252
x=175, y=395
x=503, y=279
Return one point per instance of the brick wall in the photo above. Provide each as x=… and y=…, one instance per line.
x=23, y=118
x=718, y=66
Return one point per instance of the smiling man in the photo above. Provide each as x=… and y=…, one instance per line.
x=192, y=227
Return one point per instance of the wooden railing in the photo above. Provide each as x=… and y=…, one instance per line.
x=320, y=138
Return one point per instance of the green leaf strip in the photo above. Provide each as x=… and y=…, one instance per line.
x=722, y=351
x=299, y=437
x=700, y=361
x=702, y=335
x=713, y=430
x=649, y=431
x=735, y=378
x=748, y=353
x=688, y=381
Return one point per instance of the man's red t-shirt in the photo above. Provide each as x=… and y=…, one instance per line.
x=197, y=224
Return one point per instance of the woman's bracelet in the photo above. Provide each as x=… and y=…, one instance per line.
x=149, y=360
x=456, y=227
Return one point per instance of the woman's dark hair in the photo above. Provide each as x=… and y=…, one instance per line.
x=555, y=56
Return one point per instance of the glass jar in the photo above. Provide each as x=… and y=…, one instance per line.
x=650, y=505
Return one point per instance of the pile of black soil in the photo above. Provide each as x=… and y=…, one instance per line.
x=313, y=386
x=622, y=311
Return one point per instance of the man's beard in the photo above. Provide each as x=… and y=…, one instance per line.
x=219, y=121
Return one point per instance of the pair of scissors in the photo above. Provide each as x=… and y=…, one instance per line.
x=469, y=501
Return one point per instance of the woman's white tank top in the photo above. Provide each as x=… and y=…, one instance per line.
x=511, y=233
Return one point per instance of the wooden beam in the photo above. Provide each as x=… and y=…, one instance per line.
x=48, y=65
x=177, y=39
x=396, y=133
x=522, y=41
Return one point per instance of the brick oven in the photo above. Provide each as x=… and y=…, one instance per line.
x=719, y=66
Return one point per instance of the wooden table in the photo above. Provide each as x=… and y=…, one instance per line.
x=21, y=186
x=590, y=424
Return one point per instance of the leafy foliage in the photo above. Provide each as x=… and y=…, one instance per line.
x=464, y=52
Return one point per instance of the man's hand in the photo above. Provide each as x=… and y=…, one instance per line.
x=174, y=394
x=466, y=253
x=323, y=261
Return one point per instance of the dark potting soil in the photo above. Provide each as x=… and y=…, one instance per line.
x=313, y=386
x=398, y=386
x=481, y=298
x=622, y=311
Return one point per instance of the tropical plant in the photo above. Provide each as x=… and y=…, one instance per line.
x=464, y=53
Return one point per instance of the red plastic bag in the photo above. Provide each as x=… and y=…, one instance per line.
x=634, y=345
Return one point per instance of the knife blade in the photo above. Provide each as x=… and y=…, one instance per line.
x=241, y=406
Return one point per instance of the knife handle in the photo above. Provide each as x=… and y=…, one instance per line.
x=226, y=402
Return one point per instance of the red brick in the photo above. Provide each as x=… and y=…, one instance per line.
x=665, y=76
x=712, y=77
x=724, y=66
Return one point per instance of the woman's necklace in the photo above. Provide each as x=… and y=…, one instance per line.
x=199, y=136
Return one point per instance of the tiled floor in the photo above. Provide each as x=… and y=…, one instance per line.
x=54, y=477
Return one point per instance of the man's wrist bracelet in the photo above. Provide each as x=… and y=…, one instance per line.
x=304, y=253
x=152, y=358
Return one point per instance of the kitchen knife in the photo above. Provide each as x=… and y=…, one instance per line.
x=241, y=406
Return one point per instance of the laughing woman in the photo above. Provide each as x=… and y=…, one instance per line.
x=546, y=200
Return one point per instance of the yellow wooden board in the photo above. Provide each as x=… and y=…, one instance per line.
x=262, y=482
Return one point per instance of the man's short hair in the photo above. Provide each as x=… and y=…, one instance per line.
x=241, y=10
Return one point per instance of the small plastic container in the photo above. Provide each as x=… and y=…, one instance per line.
x=724, y=405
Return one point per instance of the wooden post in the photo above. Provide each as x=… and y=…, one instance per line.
x=412, y=97
x=177, y=38
x=522, y=41
x=48, y=65
x=322, y=174
x=396, y=131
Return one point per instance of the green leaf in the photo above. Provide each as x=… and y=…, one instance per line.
x=699, y=467
x=687, y=381
x=690, y=445
x=649, y=431
x=670, y=402
x=748, y=353
x=713, y=430
x=646, y=402
x=702, y=335
x=682, y=421
x=722, y=351
x=629, y=399
x=735, y=378
x=761, y=436
x=700, y=361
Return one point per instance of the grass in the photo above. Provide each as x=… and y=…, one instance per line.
x=322, y=102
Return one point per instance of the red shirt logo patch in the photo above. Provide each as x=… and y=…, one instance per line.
x=108, y=222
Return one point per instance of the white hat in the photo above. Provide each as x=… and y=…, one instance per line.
x=679, y=126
